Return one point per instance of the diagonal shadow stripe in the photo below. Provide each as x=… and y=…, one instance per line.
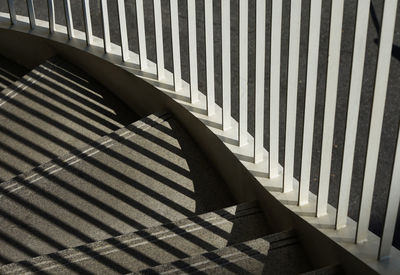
x=51, y=121
x=55, y=81
x=43, y=87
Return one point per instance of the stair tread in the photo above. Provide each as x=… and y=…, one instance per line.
x=278, y=253
x=51, y=111
x=146, y=178
x=152, y=246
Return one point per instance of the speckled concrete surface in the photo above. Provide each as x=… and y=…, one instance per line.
x=151, y=177
x=259, y=256
x=51, y=111
x=157, y=245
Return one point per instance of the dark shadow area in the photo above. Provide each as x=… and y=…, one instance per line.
x=9, y=72
x=65, y=73
x=209, y=197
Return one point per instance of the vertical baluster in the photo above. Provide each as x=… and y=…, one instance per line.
x=192, y=50
x=88, y=22
x=209, y=29
x=378, y=107
x=226, y=63
x=31, y=13
x=260, y=81
x=311, y=90
x=68, y=19
x=330, y=104
x=392, y=206
x=276, y=25
x=141, y=34
x=243, y=70
x=11, y=9
x=291, y=105
x=106, y=26
x=159, y=38
x=52, y=18
x=123, y=30
x=176, y=51
x=360, y=39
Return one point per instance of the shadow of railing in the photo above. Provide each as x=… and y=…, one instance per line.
x=117, y=213
x=166, y=142
x=59, y=107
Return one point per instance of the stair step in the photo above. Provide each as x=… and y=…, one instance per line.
x=153, y=246
x=49, y=112
x=142, y=179
x=278, y=253
x=50, y=168
x=9, y=73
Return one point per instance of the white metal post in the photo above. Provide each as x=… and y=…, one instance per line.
x=360, y=39
x=226, y=63
x=11, y=9
x=88, y=22
x=52, y=18
x=192, y=50
x=276, y=25
x=378, y=107
x=176, y=52
x=141, y=35
x=209, y=29
x=123, y=30
x=243, y=70
x=159, y=39
x=291, y=104
x=311, y=91
x=106, y=26
x=330, y=105
x=260, y=81
x=392, y=206
x=31, y=13
x=68, y=19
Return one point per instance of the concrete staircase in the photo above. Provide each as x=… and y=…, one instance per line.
x=53, y=109
x=87, y=186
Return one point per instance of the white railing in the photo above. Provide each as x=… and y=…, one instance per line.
x=271, y=160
